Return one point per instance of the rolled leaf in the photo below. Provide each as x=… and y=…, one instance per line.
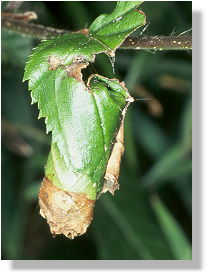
x=85, y=117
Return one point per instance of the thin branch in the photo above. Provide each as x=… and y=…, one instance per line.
x=12, y=6
x=135, y=43
x=158, y=43
x=30, y=29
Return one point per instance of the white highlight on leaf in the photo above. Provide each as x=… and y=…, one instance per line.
x=119, y=18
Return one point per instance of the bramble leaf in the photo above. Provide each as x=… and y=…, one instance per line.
x=84, y=117
x=54, y=74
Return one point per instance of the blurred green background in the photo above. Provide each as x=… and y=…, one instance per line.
x=150, y=216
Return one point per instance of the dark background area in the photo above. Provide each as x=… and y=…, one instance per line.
x=150, y=216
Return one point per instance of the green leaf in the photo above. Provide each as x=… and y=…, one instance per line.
x=84, y=117
x=174, y=233
x=54, y=89
x=112, y=29
x=66, y=49
x=88, y=144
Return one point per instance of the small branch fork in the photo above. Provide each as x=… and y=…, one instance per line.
x=19, y=23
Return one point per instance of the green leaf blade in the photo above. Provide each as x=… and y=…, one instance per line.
x=64, y=48
x=112, y=29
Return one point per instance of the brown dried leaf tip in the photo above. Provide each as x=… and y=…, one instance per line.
x=66, y=212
